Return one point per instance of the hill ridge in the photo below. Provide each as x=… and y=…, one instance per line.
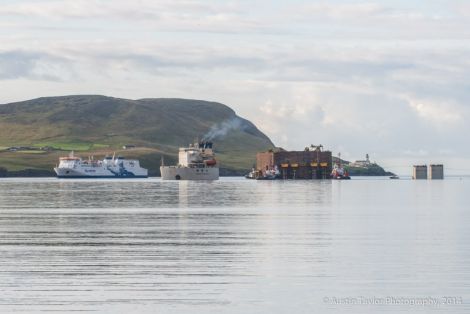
x=97, y=124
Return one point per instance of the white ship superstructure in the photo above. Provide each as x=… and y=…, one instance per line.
x=196, y=162
x=109, y=167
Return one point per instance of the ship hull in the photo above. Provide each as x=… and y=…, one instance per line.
x=66, y=173
x=183, y=173
x=101, y=177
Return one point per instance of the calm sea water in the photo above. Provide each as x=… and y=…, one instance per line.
x=235, y=246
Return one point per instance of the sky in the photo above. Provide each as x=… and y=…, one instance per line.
x=388, y=78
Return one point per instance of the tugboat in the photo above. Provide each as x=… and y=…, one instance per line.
x=338, y=172
x=254, y=174
x=196, y=162
x=270, y=174
x=109, y=167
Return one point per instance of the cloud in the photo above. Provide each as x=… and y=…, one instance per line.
x=76, y=9
x=346, y=10
x=33, y=65
x=297, y=111
x=170, y=16
x=386, y=78
x=438, y=113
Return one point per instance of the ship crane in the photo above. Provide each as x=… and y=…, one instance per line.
x=316, y=147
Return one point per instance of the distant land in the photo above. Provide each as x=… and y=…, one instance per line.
x=372, y=170
x=363, y=169
x=35, y=133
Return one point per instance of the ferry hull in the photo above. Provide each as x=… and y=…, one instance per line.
x=183, y=173
x=65, y=173
x=102, y=177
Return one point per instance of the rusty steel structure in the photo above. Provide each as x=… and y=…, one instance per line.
x=311, y=163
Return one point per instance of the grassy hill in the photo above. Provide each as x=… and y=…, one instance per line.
x=372, y=169
x=99, y=125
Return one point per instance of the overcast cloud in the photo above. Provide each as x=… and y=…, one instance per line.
x=388, y=78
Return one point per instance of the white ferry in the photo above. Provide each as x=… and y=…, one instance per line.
x=196, y=162
x=109, y=167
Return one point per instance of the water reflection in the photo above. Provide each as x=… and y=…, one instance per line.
x=64, y=194
x=230, y=246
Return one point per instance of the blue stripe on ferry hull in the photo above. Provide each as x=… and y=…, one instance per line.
x=102, y=177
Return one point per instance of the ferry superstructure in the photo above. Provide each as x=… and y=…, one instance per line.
x=109, y=167
x=196, y=162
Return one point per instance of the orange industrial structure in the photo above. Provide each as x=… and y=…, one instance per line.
x=312, y=163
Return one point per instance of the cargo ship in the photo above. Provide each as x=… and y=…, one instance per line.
x=109, y=167
x=196, y=162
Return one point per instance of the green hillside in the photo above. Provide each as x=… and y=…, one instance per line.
x=372, y=169
x=38, y=131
